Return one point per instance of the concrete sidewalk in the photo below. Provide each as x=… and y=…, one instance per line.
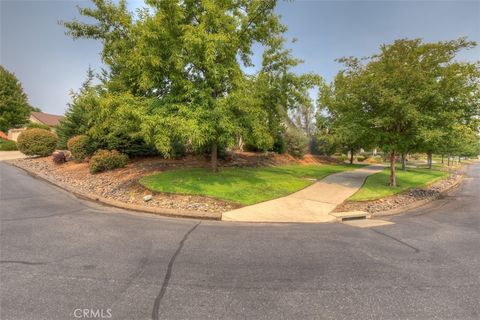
x=11, y=155
x=312, y=204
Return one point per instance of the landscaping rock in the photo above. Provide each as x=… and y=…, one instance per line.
x=404, y=199
x=147, y=198
x=122, y=184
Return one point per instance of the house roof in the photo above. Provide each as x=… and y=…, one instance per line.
x=46, y=118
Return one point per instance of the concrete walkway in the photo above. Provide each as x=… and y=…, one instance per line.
x=11, y=155
x=312, y=204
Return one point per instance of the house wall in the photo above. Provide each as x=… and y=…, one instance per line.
x=34, y=120
x=14, y=133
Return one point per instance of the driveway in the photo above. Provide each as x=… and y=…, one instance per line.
x=60, y=254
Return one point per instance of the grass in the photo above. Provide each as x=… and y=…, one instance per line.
x=241, y=185
x=377, y=187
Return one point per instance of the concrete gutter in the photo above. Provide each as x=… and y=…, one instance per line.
x=119, y=204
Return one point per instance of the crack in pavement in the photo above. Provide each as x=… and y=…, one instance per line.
x=168, y=274
x=397, y=240
x=23, y=262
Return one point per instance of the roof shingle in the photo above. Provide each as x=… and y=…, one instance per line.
x=46, y=118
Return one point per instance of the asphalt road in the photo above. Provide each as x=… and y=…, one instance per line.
x=60, y=254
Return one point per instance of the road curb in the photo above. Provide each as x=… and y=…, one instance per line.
x=122, y=205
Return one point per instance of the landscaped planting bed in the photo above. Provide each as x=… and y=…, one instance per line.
x=122, y=184
x=376, y=186
x=411, y=191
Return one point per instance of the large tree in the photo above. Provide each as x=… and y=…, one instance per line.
x=186, y=56
x=400, y=95
x=14, y=107
x=348, y=128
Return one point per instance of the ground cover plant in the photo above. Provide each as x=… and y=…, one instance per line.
x=376, y=186
x=241, y=185
x=7, y=145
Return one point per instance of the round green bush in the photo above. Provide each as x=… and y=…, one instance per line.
x=297, y=143
x=361, y=158
x=37, y=142
x=80, y=148
x=104, y=160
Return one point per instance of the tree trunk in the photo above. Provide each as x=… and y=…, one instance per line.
x=448, y=161
x=214, y=162
x=429, y=155
x=459, y=159
x=393, y=177
x=442, y=158
x=404, y=162
x=351, y=156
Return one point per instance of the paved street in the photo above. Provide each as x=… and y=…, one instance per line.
x=59, y=254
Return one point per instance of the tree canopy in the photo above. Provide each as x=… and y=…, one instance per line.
x=411, y=96
x=186, y=57
x=14, y=107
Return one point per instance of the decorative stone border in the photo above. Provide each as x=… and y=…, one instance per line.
x=419, y=203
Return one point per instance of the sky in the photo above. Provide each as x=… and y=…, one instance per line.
x=50, y=64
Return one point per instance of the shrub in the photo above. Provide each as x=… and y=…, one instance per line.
x=297, y=143
x=38, y=142
x=59, y=157
x=361, y=158
x=279, y=143
x=80, y=148
x=7, y=145
x=341, y=158
x=76, y=120
x=34, y=125
x=104, y=160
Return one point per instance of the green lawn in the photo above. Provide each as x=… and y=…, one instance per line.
x=241, y=185
x=377, y=187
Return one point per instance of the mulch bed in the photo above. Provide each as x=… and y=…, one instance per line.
x=122, y=184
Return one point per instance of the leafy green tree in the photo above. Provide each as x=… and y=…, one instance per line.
x=349, y=130
x=403, y=91
x=76, y=120
x=451, y=106
x=187, y=56
x=14, y=107
x=116, y=123
x=325, y=139
x=283, y=92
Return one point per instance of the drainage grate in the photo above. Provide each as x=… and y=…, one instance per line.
x=354, y=218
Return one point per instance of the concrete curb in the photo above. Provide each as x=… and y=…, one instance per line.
x=122, y=205
x=419, y=203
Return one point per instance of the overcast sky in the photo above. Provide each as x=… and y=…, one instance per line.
x=49, y=64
